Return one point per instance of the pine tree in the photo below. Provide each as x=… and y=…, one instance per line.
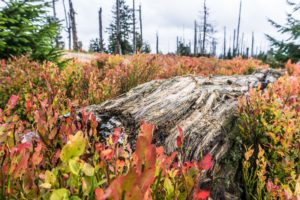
x=25, y=28
x=95, y=46
x=183, y=49
x=120, y=28
x=289, y=48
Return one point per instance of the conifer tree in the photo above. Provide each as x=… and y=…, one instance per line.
x=290, y=47
x=25, y=28
x=120, y=28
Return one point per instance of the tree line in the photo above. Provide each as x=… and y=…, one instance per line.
x=26, y=27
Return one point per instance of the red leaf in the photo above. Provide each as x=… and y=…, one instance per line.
x=179, y=139
x=28, y=105
x=206, y=162
x=22, y=165
x=107, y=154
x=12, y=102
x=116, y=135
x=93, y=122
x=99, y=193
x=37, y=157
x=202, y=194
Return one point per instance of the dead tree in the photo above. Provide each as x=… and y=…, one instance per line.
x=157, y=43
x=56, y=20
x=224, y=43
x=205, y=13
x=101, y=45
x=238, y=29
x=118, y=49
x=242, y=45
x=68, y=25
x=233, y=45
x=54, y=8
x=252, y=45
x=141, y=24
x=133, y=23
x=195, y=38
x=73, y=26
x=206, y=109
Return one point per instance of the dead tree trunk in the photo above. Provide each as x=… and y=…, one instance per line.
x=195, y=38
x=206, y=108
x=100, y=31
x=233, y=46
x=141, y=25
x=224, y=43
x=252, y=45
x=118, y=49
x=68, y=26
x=133, y=23
x=204, y=27
x=238, y=30
x=157, y=44
x=73, y=26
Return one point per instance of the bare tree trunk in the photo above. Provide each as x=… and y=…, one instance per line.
x=242, y=45
x=247, y=52
x=118, y=49
x=134, y=23
x=73, y=25
x=238, y=29
x=54, y=9
x=204, y=27
x=224, y=44
x=200, y=41
x=70, y=31
x=68, y=26
x=55, y=19
x=206, y=109
x=177, y=45
x=157, y=43
x=233, y=46
x=141, y=25
x=195, y=38
x=100, y=31
x=252, y=45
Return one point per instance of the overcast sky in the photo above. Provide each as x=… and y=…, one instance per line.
x=171, y=18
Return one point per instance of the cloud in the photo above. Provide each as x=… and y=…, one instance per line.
x=172, y=18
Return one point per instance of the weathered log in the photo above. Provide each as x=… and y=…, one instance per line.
x=206, y=108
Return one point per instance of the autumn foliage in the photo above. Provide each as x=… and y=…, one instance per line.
x=47, y=152
x=270, y=124
x=61, y=158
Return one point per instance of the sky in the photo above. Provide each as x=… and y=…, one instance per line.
x=172, y=18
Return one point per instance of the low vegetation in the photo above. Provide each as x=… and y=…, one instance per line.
x=50, y=155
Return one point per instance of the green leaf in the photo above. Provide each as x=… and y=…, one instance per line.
x=75, y=198
x=88, y=169
x=74, y=148
x=60, y=194
x=74, y=166
x=50, y=177
x=169, y=187
x=88, y=185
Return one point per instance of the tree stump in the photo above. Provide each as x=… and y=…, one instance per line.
x=206, y=109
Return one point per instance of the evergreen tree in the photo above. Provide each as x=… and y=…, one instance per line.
x=94, y=45
x=25, y=28
x=183, y=49
x=289, y=48
x=123, y=18
x=142, y=47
